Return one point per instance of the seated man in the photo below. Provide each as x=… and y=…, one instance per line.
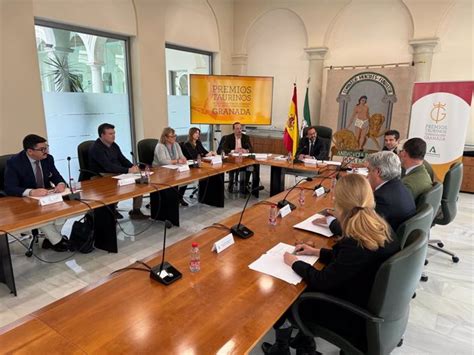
x=32, y=172
x=105, y=156
x=390, y=140
x=393, y=201
x=237, y=142
x=415, y=176
x=312, y=147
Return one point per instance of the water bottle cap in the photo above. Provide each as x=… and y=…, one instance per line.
x=194, y=245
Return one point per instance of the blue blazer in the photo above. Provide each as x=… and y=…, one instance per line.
x=19, y=174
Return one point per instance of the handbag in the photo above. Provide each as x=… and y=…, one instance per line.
x=82, y=234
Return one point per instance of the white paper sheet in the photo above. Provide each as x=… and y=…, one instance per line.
x=64, y=193
x=170, y=166
x=128, y=176
x=271, y=263
x=309, y=226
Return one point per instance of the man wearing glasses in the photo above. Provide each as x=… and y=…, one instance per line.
x=31, y=172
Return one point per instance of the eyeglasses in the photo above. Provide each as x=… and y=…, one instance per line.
x=42, y=149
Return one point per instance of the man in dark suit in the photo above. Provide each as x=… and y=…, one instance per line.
x=106, y=157
x=390, y=140
x=237, y=142
x=393, y=201
x=31, y=172
x=312, y=146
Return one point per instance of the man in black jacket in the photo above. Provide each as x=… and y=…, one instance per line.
x=391, y=139
x=32, y=173
x=312, y=146
x=106, y=157
x=237, y=142
x=393, y=201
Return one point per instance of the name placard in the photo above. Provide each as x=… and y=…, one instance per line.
x=127, y=181
x=319, y=191
x=182, y=168
x=50, y=199
x=216, y=160
x=223, y=243
x=284, y=211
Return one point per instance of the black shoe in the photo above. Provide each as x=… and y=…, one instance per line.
x=183, y=203
x=117, y=215
x=63, y=245
x=137, y=214
x=304, y=344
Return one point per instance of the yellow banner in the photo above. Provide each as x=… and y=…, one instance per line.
x=222, y=99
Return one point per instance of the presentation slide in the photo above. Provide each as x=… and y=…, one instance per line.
x=224, y=99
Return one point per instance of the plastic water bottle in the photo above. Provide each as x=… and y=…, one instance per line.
x=302, y=197
x=240, y=157
x=147, y=173
x=333, y=188
x=195, y=262
x=272, y=219
x=198, y=160
x=289, y=158
x=222, y=154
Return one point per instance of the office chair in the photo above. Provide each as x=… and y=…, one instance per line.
x=386, y=315
x=431, y=197
x=421, y=220
x=146, y=150
x=85, y=173
x=448, y=210
x=35, y=234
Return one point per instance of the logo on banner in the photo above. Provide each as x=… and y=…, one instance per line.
x=438, y=113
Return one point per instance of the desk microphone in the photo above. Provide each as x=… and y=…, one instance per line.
x=73, y=195
x=296, y=159
x=165, y=273
x=284, y=202
x=239, y=230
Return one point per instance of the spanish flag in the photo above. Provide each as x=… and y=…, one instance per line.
x=290, y=136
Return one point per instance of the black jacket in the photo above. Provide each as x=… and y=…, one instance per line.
x=320, y=149
x=19, y=174
x=103, y=159
x=393, y=202
x=191, y=152
x=228, y=143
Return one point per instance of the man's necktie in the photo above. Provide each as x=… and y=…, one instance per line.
x=39, y=175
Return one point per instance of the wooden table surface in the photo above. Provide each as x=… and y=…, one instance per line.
x=224, y=308
x=24, y=213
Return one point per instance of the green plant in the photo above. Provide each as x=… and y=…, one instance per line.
x=64, y=77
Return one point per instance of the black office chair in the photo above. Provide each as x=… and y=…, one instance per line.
x=421, y=220
x=146, y=150
x=386, y=315
x=85, y=173
x=448, y=210
x=324, y=132
x=35, y=233
x=3, y=164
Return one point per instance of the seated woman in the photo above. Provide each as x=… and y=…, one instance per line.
x=167, y=152
x=193, y=146
x=350, y=268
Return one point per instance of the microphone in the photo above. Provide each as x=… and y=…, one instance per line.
x=284, y=202
x=165, y=273
x=296, y=160
x=73, y=195
x=239, y=230
x=133, y=158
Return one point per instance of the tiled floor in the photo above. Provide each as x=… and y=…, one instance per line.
x=441, y=318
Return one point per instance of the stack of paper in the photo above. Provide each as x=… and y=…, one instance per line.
x=129, y=176
x=281, y=158
x=272, y=263
x=308, y=225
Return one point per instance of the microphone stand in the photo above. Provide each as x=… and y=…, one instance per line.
x=73, y=195
x=284, y=202
x=239, y=230
x=165, y=273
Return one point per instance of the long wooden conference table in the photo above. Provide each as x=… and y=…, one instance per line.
x=224, y=308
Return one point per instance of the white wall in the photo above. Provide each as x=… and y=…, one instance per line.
x=264, y=42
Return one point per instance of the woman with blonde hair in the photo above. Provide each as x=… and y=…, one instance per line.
x=167, y=152
x=351, y=266
x=193, y=146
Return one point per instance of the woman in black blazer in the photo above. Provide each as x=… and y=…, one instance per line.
x=351, y=266
x=193, y=146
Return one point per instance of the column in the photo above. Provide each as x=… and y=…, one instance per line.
x=239, y=64
x=423, y=56
x=96, y=75
x=316, y=66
